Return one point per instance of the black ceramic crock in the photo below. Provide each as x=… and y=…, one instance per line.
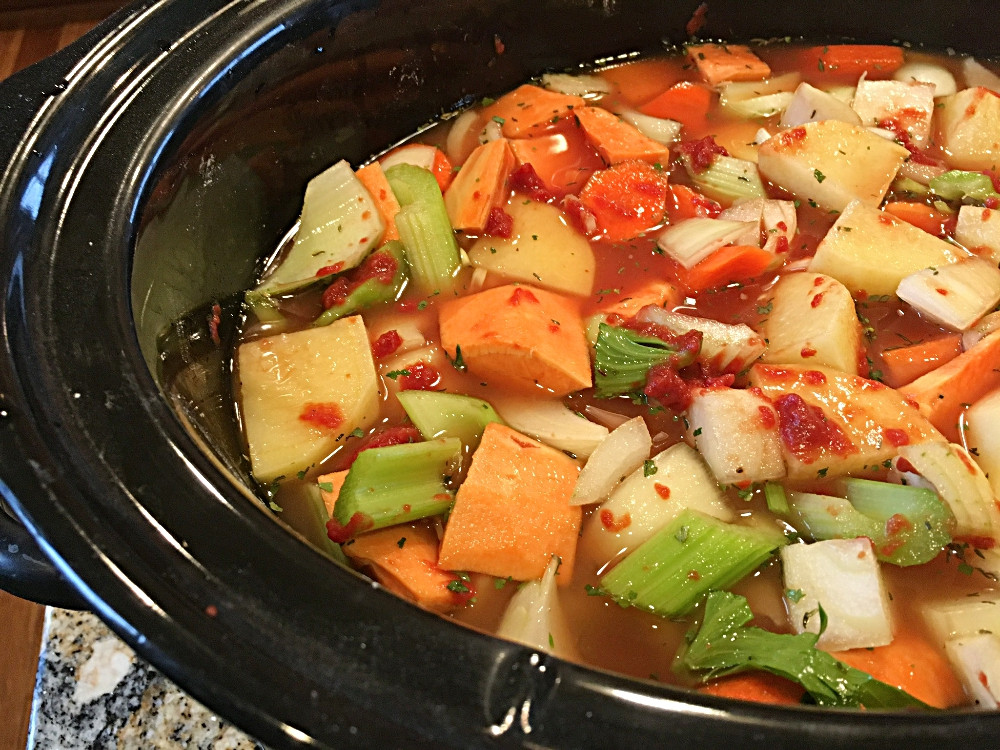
x=146, y=170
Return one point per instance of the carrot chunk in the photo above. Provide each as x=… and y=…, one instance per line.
x=528, y=107
x=719, y=63
x=907, y=363
x=563, y=160
x=404, y=559
x=848, y=61
x=615, y=140
x=687, y=103
x=911, y=663
x=329, y=488
x=480, y=185
x=373, y=178
x=733, y=263
x=520, y=336
x=685, y=203
x=512, y=513
x=923, y=217
x=626, y=199
x=942, y=394
x=759, y=687
x=629, y=302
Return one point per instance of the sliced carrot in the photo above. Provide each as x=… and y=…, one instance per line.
x=481, y=184
x=687, y=103
x=719, y=63
x=521, y=336
x=685, y=203
x=848, y=61
x=913, y=664
x=923, y=217
x=528, y=107
x=732, y=263
x=759, y=687
x=329, y=488
x=404, y=559
x=512, y=512
x=639, y=82
x=905, y=364
x=373, y=178
x=563, y=159
x=616, y=140
x=943, y=393
x=628, y=303
x=626, y=199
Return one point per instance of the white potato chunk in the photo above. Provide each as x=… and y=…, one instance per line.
x=910, y=104
x=979, y=230
x=811, y=104
x=977, y=661
x=983, y=436
x=940, y=78
x=843, y=577
x=969, y=129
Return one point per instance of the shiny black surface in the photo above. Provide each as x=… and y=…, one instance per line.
x=148, y=169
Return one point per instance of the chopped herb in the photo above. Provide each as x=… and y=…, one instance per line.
x=765, y=309
x=459, y=362
x=498, y=120
x=697, y=432
x=422, y=304
x=648, y=468
x=487, y=101
x=458, y=587
x=357, y=432
x=326, y=486
x=822, y=472
x=499, y=583
x=818, y=175
x=794, y=595
x=393, y=374
x=401, y=542
x=594, y=590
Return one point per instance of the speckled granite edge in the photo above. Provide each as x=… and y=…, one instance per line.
x=92, y=692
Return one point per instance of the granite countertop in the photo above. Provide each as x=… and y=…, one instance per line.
x=93, y=692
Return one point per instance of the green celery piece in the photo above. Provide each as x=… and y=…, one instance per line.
x=692, y=554
x=371, y=292
x=315, y=508
x=727, y=178
x=437, y=414
x=777, y=500
x=264, y=307
x=623, y=360
x=724, y=645
x=915, y=522
x=906, y=185
x=956, y=185
x=824, y=517
x=424, y=227
x=398, y=483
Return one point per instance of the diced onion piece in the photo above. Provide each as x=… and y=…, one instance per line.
x=922, y=173
x=655, y=128
x=977, y=661
x=691, y=241
x=728, y=179
x=340, y=225
x=759, y=106
x=726, y=347
x=843, y=577
x=410, y=336
x=459, y=144
x=533, y=615
x=810, y=104
x=775, y=219
x=762, y=135
x=979, y=228
x=844, y=93
x=478, y=279
x=982, y=435
x=883, y=133
x=987, y=325
x=552, y=423
x=417, y=154
x=955, y=295
x=621, y=453
x=741, y=91
x=963, y=617
x=978, y=75
x=940, y=78
x=610, y=419
x=950, y=471
x=491, y=132
x=586, y=86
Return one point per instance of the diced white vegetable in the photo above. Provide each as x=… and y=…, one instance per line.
x=728, y=179
x=842, y=576
x=415, y=154
x=741, y=91
x=955, y=295
x=762, y=135
x=551, y=422
x=813, y=321
x=610, y=419
x=986, y=325
x=651, y=497
x=982, y=435
x=460, y=141
x=775, y=219
x=883, y=133
x=725, y=347
x=491, y=132
x=759, y=106
x=843, y=93
x=831, y=163
x=586, y=86
x=977, y=661
x=869, y=250
x=619, y=454
x=976, y=74
x=340, y=224
x=922, y=173
x=328, y=371
x=969, y=129
x=735, y=436
x=949, y=470
x=655, y=128
x=910, y=104
x=691, y=241
x=478, y=278
x=410, y=336
x=940, y=78
x=979, y=228
x=810, y=104
x=963, y=617
x=534, y=617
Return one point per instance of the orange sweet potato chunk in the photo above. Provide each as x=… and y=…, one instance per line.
x=373, y=178
x=520, y=336
x=404, y=559
x=329, y=488
x=512, y=513
x=617, y=141
x=480, y=185
x=719, y=63
x=528, y=107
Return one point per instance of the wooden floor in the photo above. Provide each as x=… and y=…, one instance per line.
x=29, y=32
